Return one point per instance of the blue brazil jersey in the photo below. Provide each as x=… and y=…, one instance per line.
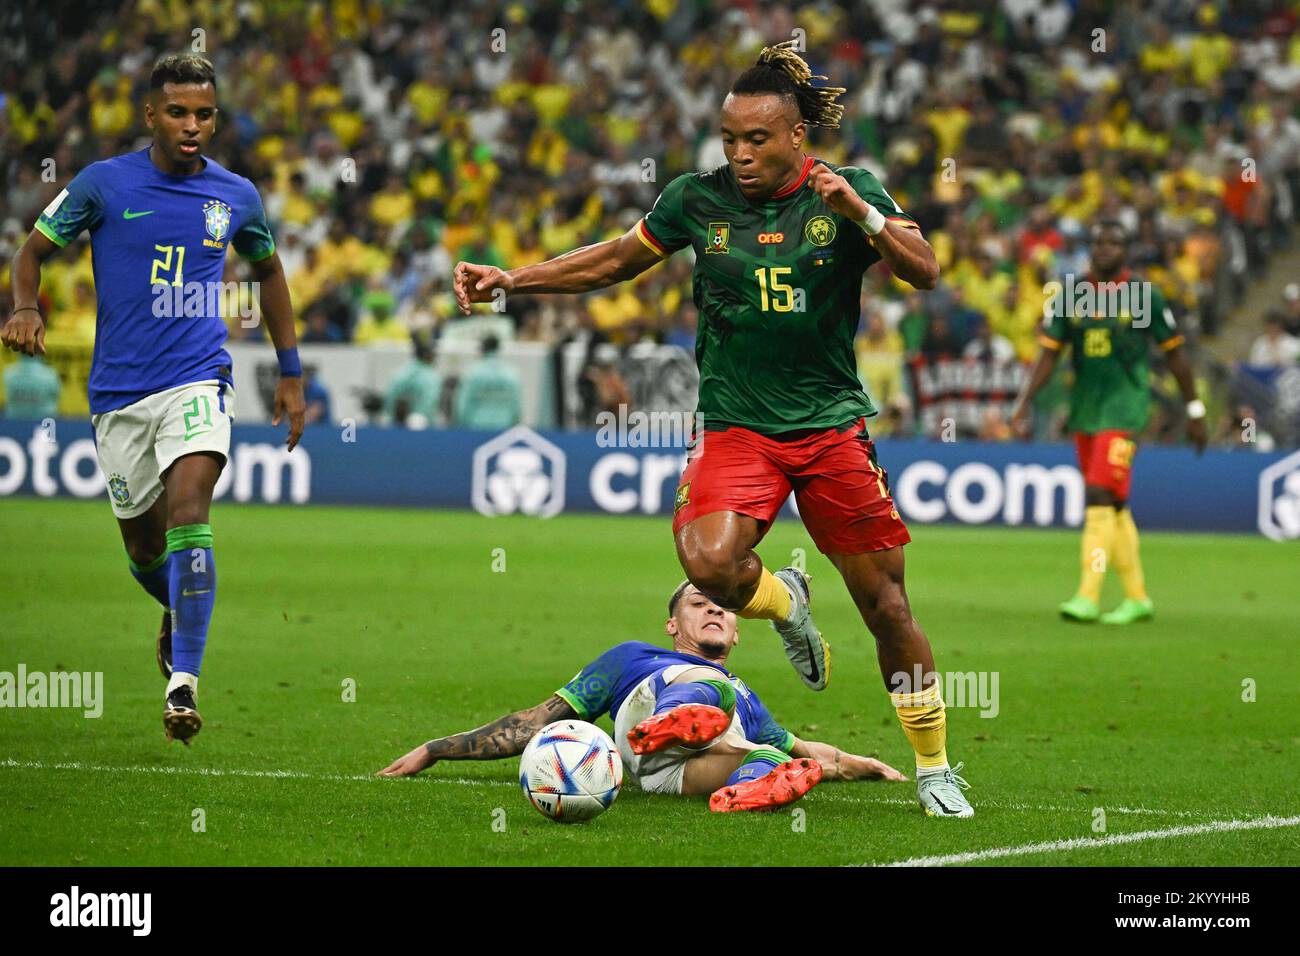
x=605, y=683
x=148, y=229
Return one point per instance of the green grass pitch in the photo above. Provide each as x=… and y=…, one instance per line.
x=1146, y=725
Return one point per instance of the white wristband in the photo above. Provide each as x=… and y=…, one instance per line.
x=874, y=222
x=1196, y=409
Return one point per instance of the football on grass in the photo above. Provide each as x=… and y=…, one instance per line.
x=571, y=771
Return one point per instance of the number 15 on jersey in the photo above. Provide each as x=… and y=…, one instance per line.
x=778, y=296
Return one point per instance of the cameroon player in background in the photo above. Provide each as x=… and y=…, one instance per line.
x=781, y=243
x=161, y=222
x=1109, y=406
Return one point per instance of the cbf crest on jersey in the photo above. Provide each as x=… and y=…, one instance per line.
x=216, y=219
x=719, y=237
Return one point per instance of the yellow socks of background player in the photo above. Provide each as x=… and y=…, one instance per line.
x=1127, y=563
x=770, y=602
x=924, y=723
x=1099, y=530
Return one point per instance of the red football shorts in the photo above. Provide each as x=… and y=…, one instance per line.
x=842, y=493
x=1106, y=460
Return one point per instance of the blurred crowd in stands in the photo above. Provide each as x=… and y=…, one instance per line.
x=391, y=139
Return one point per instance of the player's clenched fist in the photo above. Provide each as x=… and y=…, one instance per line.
x=836, y=193
x=24, y=332
x=475, y=283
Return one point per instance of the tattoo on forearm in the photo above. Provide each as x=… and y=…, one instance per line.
x=505, y=737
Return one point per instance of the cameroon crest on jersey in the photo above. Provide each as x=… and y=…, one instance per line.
x=820, y=230
x=719, y=236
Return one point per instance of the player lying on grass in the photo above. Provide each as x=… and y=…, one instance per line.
x=683, y=723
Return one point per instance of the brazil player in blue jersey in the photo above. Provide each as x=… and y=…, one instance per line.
x=683, y=722
x=161, y=221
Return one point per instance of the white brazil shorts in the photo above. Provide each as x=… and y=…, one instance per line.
x=659, y=772
x=138, y=443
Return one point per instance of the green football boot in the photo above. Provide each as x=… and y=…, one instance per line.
x=1130, y=611
x=941, y=793
x=1080, y=608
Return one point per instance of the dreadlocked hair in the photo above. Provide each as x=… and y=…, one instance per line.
x=780, y=70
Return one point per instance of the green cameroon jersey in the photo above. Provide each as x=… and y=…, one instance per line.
x=777, y=285
x=1110, y=327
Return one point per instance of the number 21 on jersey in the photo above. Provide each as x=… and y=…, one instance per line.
x=163, y=264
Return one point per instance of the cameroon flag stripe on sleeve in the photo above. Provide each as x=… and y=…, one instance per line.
x=648, y=239
x=903, y=222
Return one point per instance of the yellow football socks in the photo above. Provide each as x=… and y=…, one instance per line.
x=1127, y=562
x=924, y=723
x=771, y=601
x=1099, y=531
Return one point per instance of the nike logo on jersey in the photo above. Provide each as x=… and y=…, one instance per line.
x=128, y=214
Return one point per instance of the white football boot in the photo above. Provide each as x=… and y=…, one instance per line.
x=809, y=654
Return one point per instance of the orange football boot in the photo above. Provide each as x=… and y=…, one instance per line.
x=779, y=786
x=685, y=725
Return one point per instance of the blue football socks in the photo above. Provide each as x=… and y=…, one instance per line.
x=193, y=587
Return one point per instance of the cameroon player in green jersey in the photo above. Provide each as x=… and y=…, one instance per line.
x=781, y=242
x=1109, y=323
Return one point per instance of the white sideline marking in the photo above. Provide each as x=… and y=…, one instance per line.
x=1117, y=839
x=822, y=794
x=217, y=772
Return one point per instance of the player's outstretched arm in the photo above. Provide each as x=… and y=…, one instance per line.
x=504, y=737
x=25, y=329
x=582, y=270
x=278, y=309
x=838, y=765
